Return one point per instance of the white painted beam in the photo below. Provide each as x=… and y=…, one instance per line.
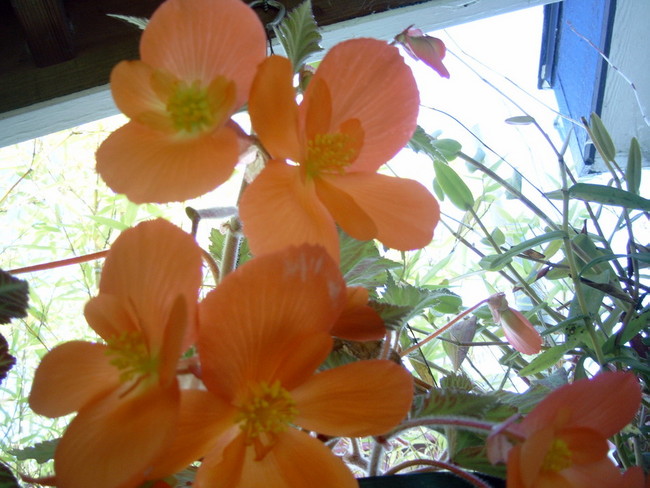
x=86, y=106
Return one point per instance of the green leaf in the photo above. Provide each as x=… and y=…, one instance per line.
x=437, y=149
x=299, y=35
x=361, y=263
x=462, y=332
x=41, y=452
x=605, y=195
x=520, y=120
x=601, y=138
x=495, y=262
x=7, y=361
x=218, y=240
x=635, y=326
x=111, y=223
x=7, y=478
x=453, y=186
x=418, y=299
x=442, y=401
x=14, y=297
x=546, y=359
x=633, y=171
x=449, y=148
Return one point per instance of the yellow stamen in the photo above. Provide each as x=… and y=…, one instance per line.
x=189, y=108
x=130, y=355
x=330, y=153
x=558, y=457
x=267, y=412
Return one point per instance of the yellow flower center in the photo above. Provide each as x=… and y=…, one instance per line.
x=330, y=153
x=558, y=457
x=129, y=354
x=267, y=412
x=189, y=108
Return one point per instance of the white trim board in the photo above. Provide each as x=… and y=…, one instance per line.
x=96, y=103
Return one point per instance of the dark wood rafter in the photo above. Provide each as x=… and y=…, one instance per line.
x=53, y=48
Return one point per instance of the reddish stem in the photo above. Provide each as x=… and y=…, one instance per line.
x=61, y=263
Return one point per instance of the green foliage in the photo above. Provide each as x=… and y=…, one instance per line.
x=633, y=170
x=453, y=186
x=40, y=452
x=605, y=195
x=139, y=22
x=495, y=262
x=7, y=478
x=361, y=263
x=601, y=138
x=13, y=297
x=217, y=242
x=299, y=35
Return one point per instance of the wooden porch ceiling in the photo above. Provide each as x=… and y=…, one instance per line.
x=53, y=48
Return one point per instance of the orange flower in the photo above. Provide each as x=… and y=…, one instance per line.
x=518, y=330
x=359, y=110
x=263, y=332
x=124, y=390
x=565, y=436
x=430, y=50
x=358, y=322
x=198, y=62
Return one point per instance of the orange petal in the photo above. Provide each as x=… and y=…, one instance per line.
x=152, y=166
x=148, y=267
x=199, y=40
x=295, y=460
x=403, y=210
x=589, y=403
x=347, y=213
x=279, y=209
x=273, y=109
x=110, y=316
x=203, y=419
x=70, y=376
x=533, y=451
x=586, y=445
x=270, y=319
x=355, y=400
x=132, y=89
x=520, y=332
x=429, y=50
x=368, y=80
x=317, y=106
x=223, y=466
x=358, y=322
x=603, y=474
x=113, y=442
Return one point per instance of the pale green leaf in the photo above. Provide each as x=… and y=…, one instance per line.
x=453, y=186
x=545, y=360
x=495, y=262
x=41, y=452
x=520, y=120
x=299, y=35
x=601, y=138
x=633, y=171
x=139, y=22
x=605, y=195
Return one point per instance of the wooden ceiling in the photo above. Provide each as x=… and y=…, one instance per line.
x=53, y=48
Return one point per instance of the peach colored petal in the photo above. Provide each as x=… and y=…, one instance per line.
x=269, y=320
x=317, y=106
x=279, y=209
x=175, y=329
x=199, y=40
x=586, y=445
x=355, y=400
x=202, y=420
x=589, y=403
x=296, y=460
x=113, y=442
x=358, y=322
x=110, y=316
x=132, y=89
x=148, y=267
x=602, y=474
x=403, y=210
x=273, y=109
x=520, y=333
x=368, y=80
x=347, y=213
x=152, y=166
x=223, y=466
x=70, y=376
